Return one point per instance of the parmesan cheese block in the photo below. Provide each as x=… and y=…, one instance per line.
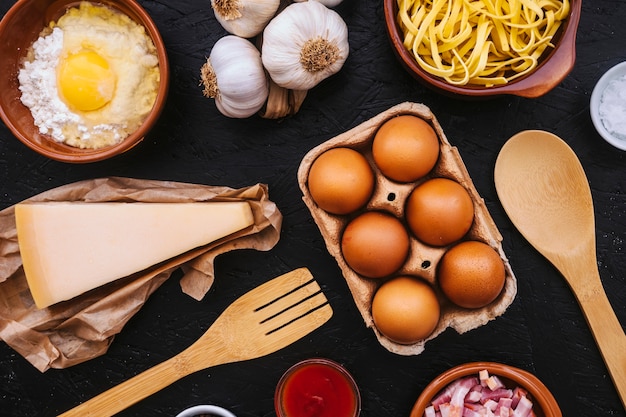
x=69, y=248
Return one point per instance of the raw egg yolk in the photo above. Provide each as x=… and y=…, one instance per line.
x=86, y=81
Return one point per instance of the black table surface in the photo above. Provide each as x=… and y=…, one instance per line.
x=543, y=331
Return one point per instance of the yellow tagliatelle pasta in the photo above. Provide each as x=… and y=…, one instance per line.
x=479, y=42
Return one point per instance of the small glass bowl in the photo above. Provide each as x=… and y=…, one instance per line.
x=614, y=73
x=544, y=404
x=345, y=392
x=205, y=410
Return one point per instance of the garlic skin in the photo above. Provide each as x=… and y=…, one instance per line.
x=234, y=76
x=327, y=3
x=304, y=44
x=245, y=18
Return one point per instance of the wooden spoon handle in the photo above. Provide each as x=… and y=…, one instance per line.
x=606, y=330
x=133, y=390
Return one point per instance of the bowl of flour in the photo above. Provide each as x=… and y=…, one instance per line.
x=608, y=106
x=74, y=103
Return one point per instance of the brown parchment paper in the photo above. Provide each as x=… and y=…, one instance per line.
x=80, y=329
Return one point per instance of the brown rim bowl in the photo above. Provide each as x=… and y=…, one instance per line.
x=553, y=66
x=544, y=404
x=19, y=28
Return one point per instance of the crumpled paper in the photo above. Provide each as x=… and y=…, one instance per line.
x=82, y=328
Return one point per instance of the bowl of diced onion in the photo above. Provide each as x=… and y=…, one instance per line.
x=472, y=49
x=482, y=386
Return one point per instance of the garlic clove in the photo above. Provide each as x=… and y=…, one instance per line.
x=245, y=18
x=304, y=44
x=234, y=76
x=282, y=102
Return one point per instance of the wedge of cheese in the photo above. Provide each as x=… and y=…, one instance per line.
x=69, y=248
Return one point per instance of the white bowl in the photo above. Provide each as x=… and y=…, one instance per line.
x=600, y=123
x=199, y=410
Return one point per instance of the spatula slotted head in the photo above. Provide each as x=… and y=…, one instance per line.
x=264, y=320
x=272, y=316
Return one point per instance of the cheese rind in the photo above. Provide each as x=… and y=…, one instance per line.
x=69, y=248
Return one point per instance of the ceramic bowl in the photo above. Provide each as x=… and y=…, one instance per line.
x=544, y=404
x=19, y=28
x=323, y=378
x=553, y=67
x=205, y=411
x=600, y=108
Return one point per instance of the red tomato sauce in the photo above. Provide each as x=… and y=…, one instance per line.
x=318, y=390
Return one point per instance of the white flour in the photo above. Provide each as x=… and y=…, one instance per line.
x=38, y=84
x=39, y=89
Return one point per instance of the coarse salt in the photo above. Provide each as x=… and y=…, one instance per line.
x=612, y=108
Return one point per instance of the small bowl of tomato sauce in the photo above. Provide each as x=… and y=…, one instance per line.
x=317, y=388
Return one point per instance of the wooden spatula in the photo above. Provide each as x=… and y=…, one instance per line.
x=260, y=322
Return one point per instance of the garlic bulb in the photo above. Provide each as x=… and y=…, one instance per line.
x=304, y=44
x=234, y=76
x=245, y=18
x=327, y=3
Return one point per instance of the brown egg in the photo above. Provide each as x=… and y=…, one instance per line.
x=439, y=211
x=405, y=148
x=471, y=274
x=375, y=244
x=405, y=309
x=341, y=180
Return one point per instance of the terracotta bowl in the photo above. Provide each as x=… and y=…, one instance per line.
x=19, y=28
x=553, y=66
x=544, y=404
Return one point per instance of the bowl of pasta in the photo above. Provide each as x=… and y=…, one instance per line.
x=473, y=49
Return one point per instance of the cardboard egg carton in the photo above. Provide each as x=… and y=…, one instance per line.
x=390, y=196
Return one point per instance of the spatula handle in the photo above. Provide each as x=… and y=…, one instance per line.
x=133, y=390
x=606, y=330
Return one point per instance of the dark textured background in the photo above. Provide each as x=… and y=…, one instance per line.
x=543, y=331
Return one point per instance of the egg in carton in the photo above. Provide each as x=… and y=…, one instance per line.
x=422, y=261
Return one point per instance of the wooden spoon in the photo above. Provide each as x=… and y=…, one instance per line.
x=544, y=190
